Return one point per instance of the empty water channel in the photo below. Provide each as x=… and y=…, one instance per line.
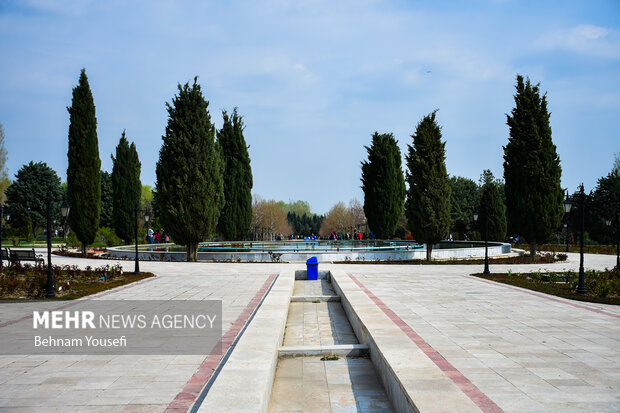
x=321, y=366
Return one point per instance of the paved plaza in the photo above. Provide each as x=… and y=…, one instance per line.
x=527, y=352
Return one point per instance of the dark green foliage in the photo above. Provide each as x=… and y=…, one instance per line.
x=305, y=224
x=27, y=196
x=383, y=184
x=428, y=197
x=190, y=190
x=236, y=216
x=126, y=188
x=532, y=169
x=83, y=172
x=106, y=200
x=464, y=200
x=492, y=197
x=605, y=205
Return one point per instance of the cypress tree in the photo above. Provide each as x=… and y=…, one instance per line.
x=383, y=184
x=106, y=200
x=492, y=197
x=190, y=191
x=428, y=198
x=236, y=216
x=83, y=172
x=126, y=188
x=532, y=169
x=464, y=200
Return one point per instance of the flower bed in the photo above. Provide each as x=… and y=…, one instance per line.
x=602, y=286
x=70, y=282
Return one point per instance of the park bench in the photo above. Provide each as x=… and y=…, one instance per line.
x=24, y=255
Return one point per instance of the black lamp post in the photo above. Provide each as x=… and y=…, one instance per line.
x=64, y=211
x=146, y=219
x=617, y=239
x=567, y=205
x=581, y=288
x=1, y=224
x=486, y=236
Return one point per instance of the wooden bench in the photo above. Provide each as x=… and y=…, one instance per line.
x=24, y=255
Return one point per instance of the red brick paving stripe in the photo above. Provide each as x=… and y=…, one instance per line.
x=480, y=399
x=184, y=400
x=545, y=296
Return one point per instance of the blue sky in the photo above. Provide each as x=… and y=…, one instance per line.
x=314, y=80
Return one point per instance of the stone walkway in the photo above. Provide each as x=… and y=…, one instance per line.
x=527, y=352
x=63, y=383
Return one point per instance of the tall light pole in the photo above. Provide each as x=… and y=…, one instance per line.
x=616, y=238
x=146, y=219
x=581, y=288
x=1, y=225
x=64, y=210
x=567, y=205
x=486, y=236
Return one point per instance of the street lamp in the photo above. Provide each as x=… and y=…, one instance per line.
x=567, y=205
x=581, y=288
x=64, y=211
x=486, y=236
x=7, y=218
x=617, y=239
x=146, y=219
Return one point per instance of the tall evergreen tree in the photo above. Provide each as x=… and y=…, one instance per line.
x=83, y=172
x=236, y=216
x=106, y=200
x=383, y=184
x=4, y=173
x=190, y=190
x=27, y=196
x=532, y=169
x=491, y=197
x=428, y=198
x=126, y=188
x=464, y=200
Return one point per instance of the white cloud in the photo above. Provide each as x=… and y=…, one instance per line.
x=584, y=39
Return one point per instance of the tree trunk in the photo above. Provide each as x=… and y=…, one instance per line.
x=192, y=250
x=429, y=251
x=532, y=248
x=83, y=249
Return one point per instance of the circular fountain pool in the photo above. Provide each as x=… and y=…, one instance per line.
x=300, y=251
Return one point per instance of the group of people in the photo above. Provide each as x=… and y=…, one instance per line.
x=158, y=237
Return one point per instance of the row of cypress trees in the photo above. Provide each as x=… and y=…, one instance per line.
x=532, y=175
x=201, y=182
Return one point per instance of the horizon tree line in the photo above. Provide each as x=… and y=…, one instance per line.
x=204, y=176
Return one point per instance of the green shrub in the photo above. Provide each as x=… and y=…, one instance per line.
x=108, y=237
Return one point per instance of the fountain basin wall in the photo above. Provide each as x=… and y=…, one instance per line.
x=447, y=250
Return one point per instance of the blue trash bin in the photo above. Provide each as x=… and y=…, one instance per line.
x=313, y=268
